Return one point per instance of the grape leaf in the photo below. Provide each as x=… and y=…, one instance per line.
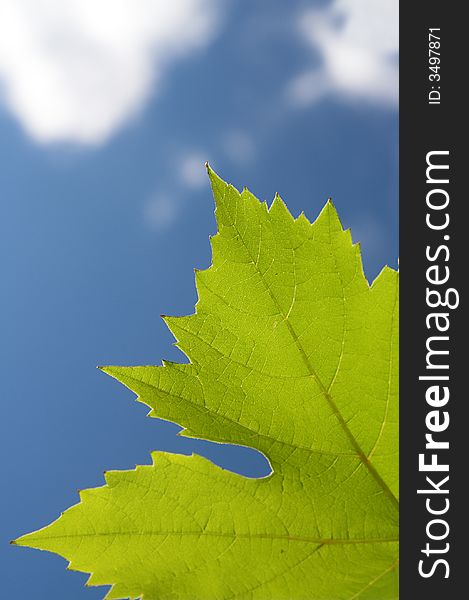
x=291, y=352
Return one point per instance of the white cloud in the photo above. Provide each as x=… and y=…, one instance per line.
x=357, y=41
x=160, y=212
x=77, y=70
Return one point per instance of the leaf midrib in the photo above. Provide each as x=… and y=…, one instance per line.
x=265, y=536
x=360, y=453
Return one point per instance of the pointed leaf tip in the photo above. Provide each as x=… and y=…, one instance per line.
x=215, y=179
x=21, y=541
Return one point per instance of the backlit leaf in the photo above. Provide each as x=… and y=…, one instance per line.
x=293, y=353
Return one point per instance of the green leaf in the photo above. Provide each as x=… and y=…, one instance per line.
x=293, y=353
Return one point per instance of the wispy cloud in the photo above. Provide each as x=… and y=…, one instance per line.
x=357, y=45
x=192, y=168
x=77, y=70
x=239, y=146
x=369, y=233
x=161, y=212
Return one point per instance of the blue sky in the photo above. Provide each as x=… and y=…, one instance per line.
x=106, y=208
